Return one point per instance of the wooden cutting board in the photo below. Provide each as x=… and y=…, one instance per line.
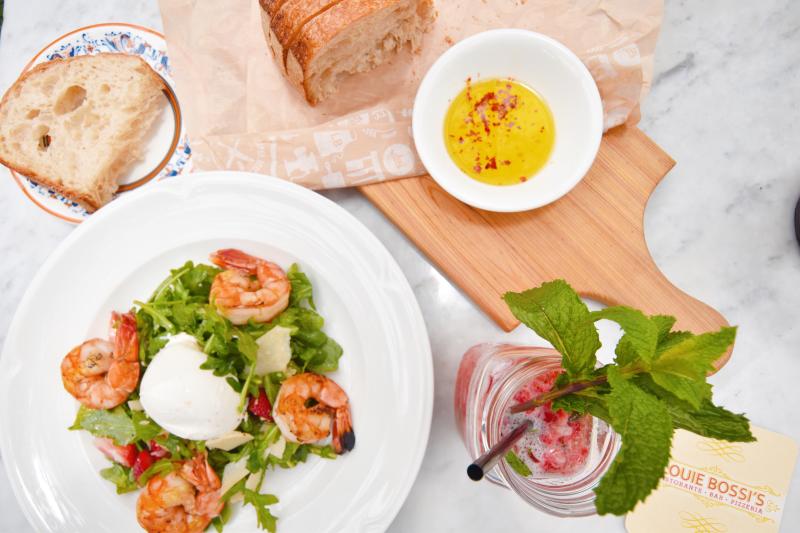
x=593, y=237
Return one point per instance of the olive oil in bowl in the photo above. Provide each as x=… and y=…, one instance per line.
x=499, y=131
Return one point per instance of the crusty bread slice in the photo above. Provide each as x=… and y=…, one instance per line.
x=75, y=124
x=319, y=42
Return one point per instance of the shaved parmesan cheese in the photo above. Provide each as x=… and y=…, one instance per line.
x=233, y=473
x=229, y=441
x=276, y=448
x=274, y=351
x=252, y=483
x=135, y=405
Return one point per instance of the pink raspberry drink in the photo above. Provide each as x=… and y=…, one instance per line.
x=557, y=444
x=565, y=454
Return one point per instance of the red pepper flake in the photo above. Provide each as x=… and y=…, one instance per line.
x=492, y=164
x=533, y=457
x=506, y=162
x=523, y=179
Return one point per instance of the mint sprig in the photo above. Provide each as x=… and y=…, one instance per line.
x=557, y=314
x=657, y=384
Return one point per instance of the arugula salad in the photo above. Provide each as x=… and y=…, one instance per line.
x=272, y=371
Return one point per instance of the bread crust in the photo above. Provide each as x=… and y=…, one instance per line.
x=90, y=203
x=300, y=29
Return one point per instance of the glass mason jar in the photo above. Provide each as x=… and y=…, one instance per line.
x=494, y=377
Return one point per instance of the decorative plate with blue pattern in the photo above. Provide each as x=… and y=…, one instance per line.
x=167, y=153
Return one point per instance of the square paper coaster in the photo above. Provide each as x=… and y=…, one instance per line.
x=714, y=486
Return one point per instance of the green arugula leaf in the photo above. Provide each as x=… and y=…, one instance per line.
x=301, y=287
x=326, y=452
x=162, y=466
x=641, y=333
x=144, y=426
x=712, y=421
x=220, y=520
x=556, y=313
x=121, y=477
x=246, y=345
x=645, y=426
x=114, y=424
x=260, y=501
x=517, y=465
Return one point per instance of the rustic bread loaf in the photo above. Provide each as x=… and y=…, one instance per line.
x=317, y=42
x=75, y=124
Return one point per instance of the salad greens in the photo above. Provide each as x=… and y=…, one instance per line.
x=181, y=304
x=656, y=384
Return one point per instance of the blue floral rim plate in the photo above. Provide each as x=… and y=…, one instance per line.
x=167, y=153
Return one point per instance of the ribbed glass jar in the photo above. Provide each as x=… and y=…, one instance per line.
x=489, y=382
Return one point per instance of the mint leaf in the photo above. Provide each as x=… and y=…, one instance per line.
x=556, y=313
x=664, y=324
x=571, y=403
x=645, y=426
x=260, y=501
x=684, y=361
x=517, y=465
x=712, y=421
x=580, y=404
x=114, y=423
x=641, y=333
x=670, y=339
x=692, y=391
x=692, y=356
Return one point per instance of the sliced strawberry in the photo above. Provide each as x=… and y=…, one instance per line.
x=124, y=455
x=260, y=406
x=158, y=451
x=142, y=463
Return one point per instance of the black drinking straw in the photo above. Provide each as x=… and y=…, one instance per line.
x=486, y=462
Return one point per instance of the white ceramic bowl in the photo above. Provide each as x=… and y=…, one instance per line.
x=546, y=66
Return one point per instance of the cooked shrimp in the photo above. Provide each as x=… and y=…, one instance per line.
x=101, y=374
x=309, y=407
x=239, y=297
x=182, y=501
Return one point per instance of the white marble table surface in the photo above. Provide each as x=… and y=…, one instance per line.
x=725, y=104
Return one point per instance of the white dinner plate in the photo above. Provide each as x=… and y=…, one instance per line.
x=122, y=252
x=166, y=152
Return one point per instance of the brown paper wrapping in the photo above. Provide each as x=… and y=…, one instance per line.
x=241, y=114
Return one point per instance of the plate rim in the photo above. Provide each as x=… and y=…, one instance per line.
x=170, y=94
x=9, y=369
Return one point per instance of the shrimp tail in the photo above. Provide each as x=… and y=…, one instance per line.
x=126, y=339
x=344, y=438
x=235, y=259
